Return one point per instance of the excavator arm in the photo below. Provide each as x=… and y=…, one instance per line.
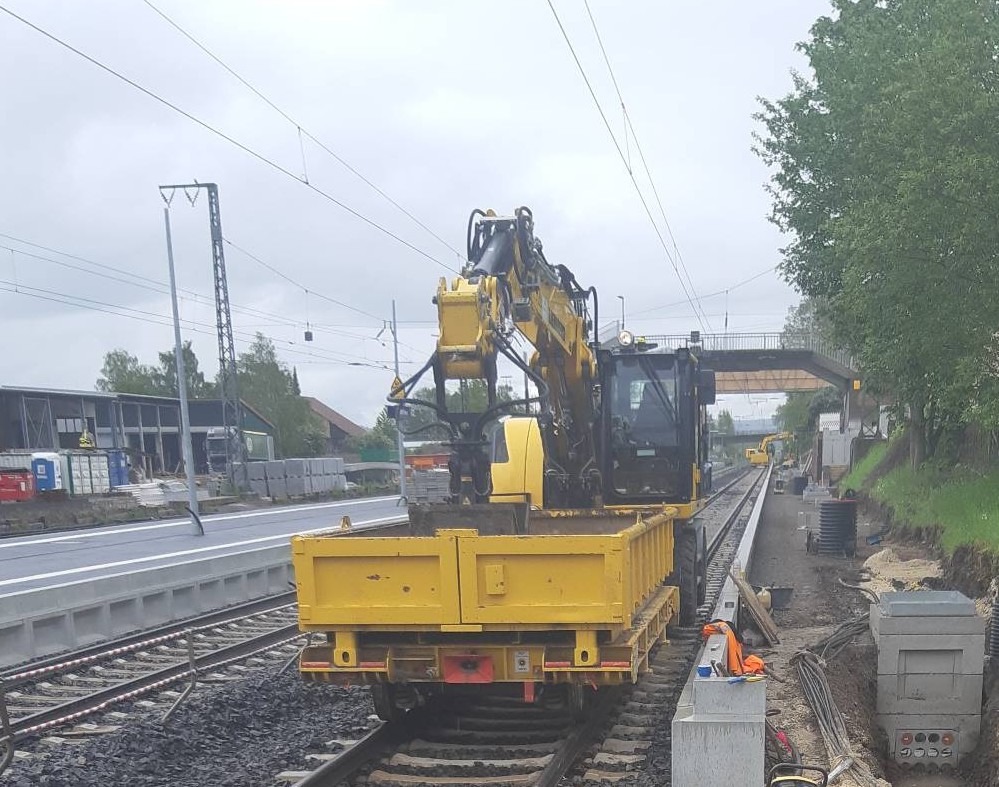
x=509, y=288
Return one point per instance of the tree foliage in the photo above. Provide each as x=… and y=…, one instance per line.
x=382, y=435
x=471, y=396
x=886, y=177
x=123, y=373
x=726, y=424
x=267, y=384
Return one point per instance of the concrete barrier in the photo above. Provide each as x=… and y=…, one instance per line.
x=45, y=621
x=719, y=727
x=42, y=622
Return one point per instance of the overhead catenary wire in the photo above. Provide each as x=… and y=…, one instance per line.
x=298, y=284
x=629, y=127
x=705, y=325
x=714, y=294
x=142, y=315
x=155, y=285
x=232, y=140
x=302, y=131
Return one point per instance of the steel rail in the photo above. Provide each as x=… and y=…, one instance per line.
x=733, y=516
x=39, y=668
x=349, y=761
x=143, y=639
x=78, y=708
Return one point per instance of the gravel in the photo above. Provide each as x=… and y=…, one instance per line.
x=239, y=734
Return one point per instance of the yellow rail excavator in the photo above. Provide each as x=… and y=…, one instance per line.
x=569, y=539
x=762, y=454
x=619, y=424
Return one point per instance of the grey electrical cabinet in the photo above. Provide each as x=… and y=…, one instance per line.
x=931, y=658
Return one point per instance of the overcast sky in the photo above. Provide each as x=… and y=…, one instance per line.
x=445, y=106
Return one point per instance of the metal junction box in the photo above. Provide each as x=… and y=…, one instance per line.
x=931, y=656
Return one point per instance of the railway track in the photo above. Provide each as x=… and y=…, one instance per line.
x=499, y=742
x=60, y=696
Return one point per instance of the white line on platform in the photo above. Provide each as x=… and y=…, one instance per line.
x=99, y=532
x=185, y=552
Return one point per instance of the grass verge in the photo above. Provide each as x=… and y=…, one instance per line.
x=857, y=477
x=962, y=503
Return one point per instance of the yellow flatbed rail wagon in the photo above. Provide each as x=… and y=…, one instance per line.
x=580, y=599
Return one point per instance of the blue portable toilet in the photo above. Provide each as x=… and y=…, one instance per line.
x=118, y=465
x=47, y=469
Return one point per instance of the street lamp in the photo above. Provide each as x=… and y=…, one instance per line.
x=621, y=298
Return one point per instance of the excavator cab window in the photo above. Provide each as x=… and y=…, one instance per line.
x=644, y=427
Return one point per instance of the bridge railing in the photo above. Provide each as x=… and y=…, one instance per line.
x=725, y=342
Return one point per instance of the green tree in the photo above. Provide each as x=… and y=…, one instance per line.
x=382, y=435
x=726, y=424
x=470, y=397
x=122, y=373
x=166, y=375
x=267, y=384
x=886, y=176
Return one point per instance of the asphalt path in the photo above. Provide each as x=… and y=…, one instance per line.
x=39, y=561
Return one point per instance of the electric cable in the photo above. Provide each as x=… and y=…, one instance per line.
x=290, y=280
x=301, y=129
x=156, y=318
x=641, y=155
x=155, y=285
x=245, y=148
x=714, y=294
x=631, y=174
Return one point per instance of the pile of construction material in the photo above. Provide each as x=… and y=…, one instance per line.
x=284, y=478
x=430, y=486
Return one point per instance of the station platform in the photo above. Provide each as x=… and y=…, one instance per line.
x=67, y=589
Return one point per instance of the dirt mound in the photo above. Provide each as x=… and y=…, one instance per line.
x=888, y=571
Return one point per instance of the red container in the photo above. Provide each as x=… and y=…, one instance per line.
x=15, y=487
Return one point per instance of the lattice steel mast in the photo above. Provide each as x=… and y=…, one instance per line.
x=232, y=411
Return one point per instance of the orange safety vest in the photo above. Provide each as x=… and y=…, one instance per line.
x=737, y=663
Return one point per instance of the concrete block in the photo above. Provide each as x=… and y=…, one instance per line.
x=310, y=484
x=724, y=698
x=278, y=488
x=295, y=468
x=923, y=603
x=295, y=486
x=256, y=471
x=275, y=469
x=339, y=483
x=923, y=694
x=957, y=654
x=882, y=624
x=258, y=486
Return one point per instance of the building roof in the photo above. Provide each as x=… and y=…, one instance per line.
x=327, y=413
x=56, y=392
x=132, y=397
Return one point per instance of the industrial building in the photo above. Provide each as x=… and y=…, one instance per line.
x=147, y=427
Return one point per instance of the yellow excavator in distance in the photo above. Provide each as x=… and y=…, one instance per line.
x=760, y=455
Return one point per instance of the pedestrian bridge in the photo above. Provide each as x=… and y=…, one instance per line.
x=755, y=363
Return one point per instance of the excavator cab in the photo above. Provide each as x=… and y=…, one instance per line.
x=653, y=446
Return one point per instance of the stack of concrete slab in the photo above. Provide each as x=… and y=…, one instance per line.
x=285, y=478
x=430, y=487
x=931, y=657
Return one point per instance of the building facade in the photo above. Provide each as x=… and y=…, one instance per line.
x=147, y=427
